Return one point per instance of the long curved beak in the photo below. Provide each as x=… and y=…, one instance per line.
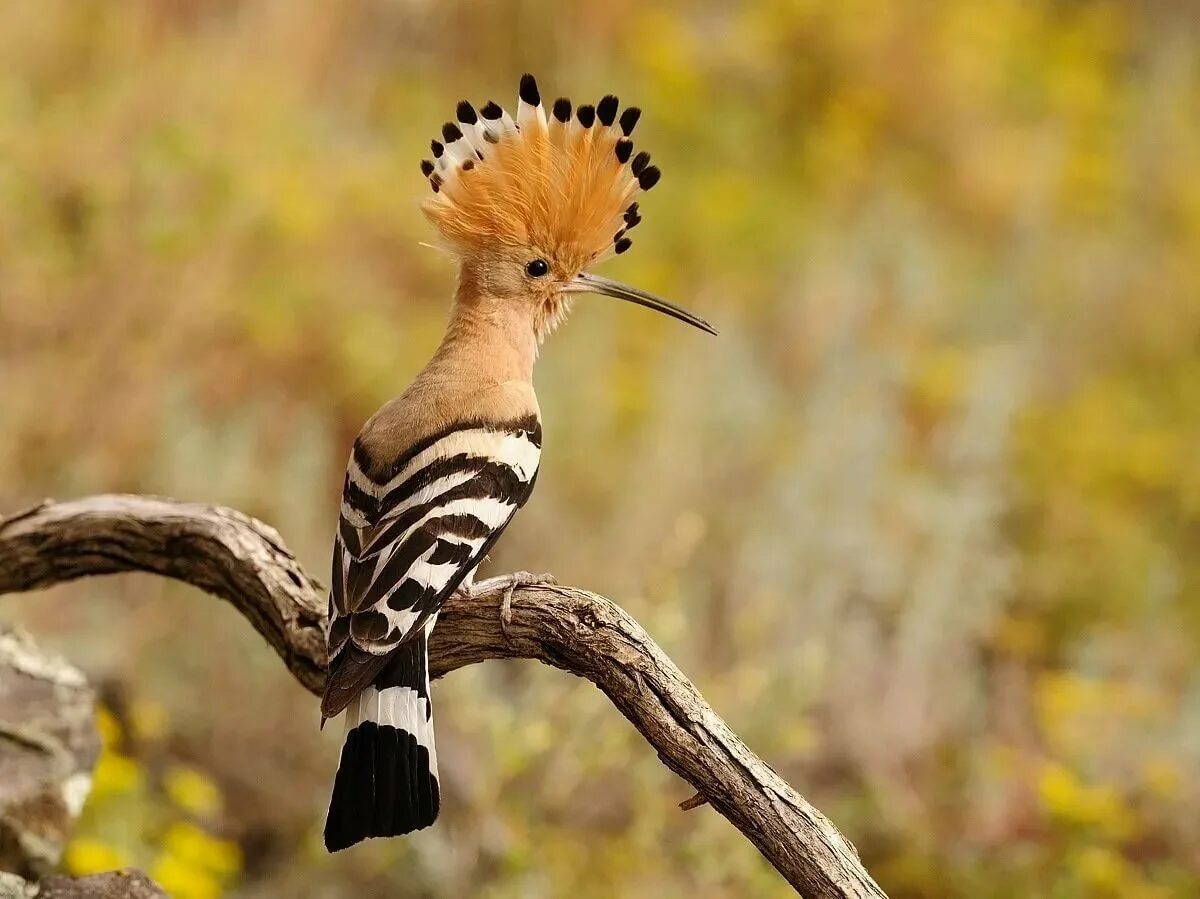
x=585, y=282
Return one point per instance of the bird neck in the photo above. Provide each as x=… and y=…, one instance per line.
x=489, y=338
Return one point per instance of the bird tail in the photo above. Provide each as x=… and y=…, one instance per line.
x=386, y=782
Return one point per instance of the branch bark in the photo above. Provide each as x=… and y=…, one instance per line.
x=246, y=563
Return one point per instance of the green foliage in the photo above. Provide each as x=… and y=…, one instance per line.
x=923, y=523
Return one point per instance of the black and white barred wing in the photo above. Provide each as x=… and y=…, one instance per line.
x=406, y=543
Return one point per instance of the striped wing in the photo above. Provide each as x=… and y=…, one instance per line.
x=406, y=541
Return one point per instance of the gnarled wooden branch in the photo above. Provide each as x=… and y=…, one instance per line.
x=246, y=562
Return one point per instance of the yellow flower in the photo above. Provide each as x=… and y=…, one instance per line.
x=1104, y=871
x=88, y=856
x=114, y=774
x=192, y=791
x=200, y=849
x=1058, y=788
x=1070, y=705
x=184, y=881
x=1070, y=800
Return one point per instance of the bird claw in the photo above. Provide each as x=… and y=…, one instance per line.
x=515, y=580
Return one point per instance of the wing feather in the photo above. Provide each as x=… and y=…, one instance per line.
x=407, y=541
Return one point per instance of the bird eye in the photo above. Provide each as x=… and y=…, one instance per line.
x=537, y=268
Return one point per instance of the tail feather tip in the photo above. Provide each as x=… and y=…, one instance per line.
x=386, y=786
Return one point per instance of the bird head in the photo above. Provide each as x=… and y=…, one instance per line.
x=531, y=204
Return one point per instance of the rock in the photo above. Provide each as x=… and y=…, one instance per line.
x=123, y=884
x=48, y=745
x=14, y=887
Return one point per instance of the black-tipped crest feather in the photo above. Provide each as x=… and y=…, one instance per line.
x=606, y=110
x=529, y=90
x=466, y=113
x=487, y=200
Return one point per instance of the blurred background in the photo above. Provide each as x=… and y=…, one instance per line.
x=923, y=524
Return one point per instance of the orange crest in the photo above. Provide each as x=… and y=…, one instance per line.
x=565, y=186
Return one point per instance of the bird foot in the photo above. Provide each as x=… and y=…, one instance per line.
x=512, y=582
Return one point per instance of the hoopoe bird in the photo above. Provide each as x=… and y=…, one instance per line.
x=527, y=205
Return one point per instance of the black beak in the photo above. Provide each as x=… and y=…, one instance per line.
x=589, y=283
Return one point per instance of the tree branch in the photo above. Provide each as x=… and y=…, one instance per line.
x=246, y=563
